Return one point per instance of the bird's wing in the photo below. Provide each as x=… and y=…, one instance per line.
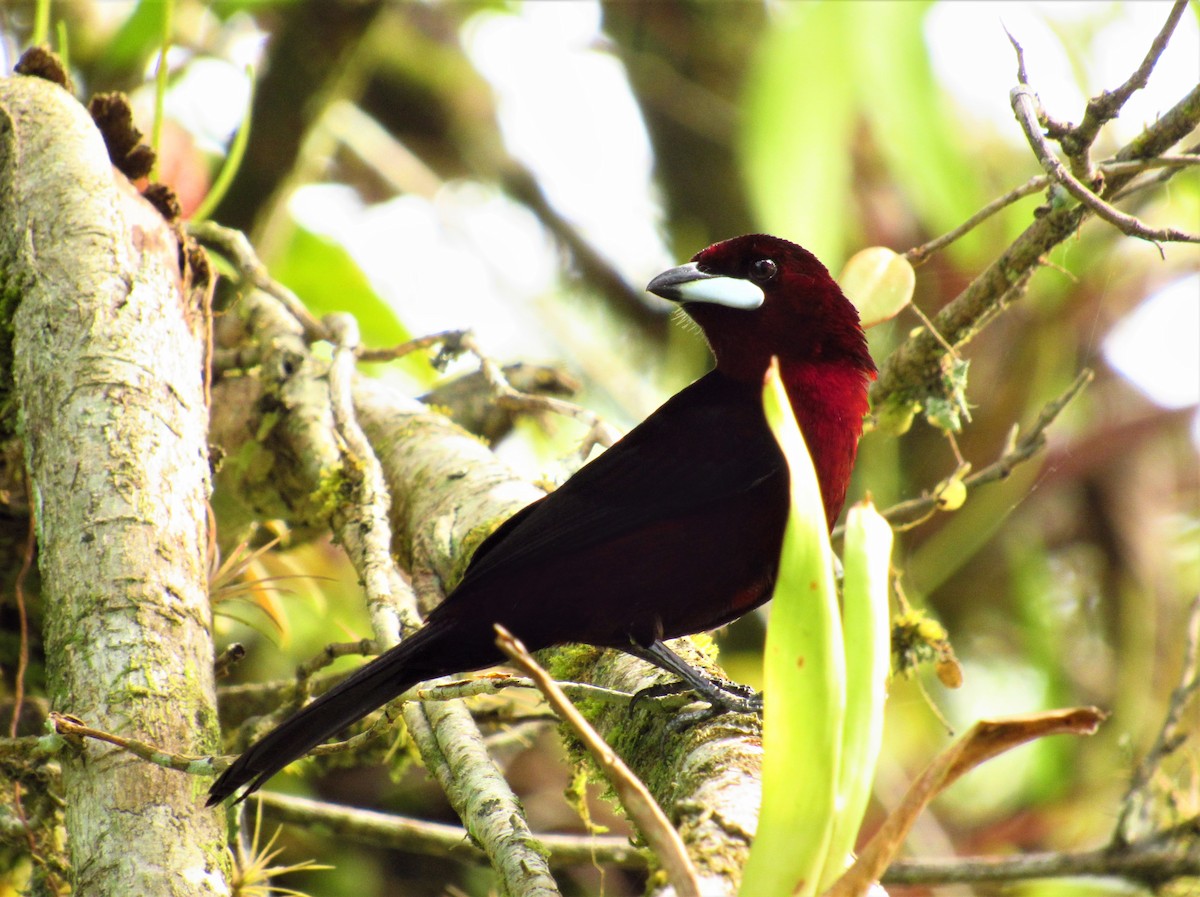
x=706, y=444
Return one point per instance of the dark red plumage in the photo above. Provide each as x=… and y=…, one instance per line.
x=675, y=529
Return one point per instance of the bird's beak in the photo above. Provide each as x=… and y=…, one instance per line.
x=688, y=283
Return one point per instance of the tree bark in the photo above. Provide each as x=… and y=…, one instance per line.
x=109, y=347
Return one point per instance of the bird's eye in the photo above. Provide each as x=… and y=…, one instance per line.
x=763, y=270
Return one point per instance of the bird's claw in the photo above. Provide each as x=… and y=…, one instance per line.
x=722, y=697
x=652, y=694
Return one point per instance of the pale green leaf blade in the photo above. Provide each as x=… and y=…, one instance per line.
x=865, y=619
x=804, y=677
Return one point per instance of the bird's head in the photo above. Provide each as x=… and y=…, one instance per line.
x=756, y=296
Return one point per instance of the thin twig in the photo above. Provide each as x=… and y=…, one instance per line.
x=1158, y=180
x=919, y=254
x=1015, y=452
x=661, y=836
x=445, y=337
x=331, y=652
x=507, y=396
x=237, y=248
x=488, y=684
x=1179, y=160
x=72, y=728
x=929, y=325
x=1025, y=105
x=1102, y=109
x=257, y=698
x=435, y=838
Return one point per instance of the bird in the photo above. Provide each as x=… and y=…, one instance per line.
x=675, y=529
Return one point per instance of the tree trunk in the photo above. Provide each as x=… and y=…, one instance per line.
x=109, y=343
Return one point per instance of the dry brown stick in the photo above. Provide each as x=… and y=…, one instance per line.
x=984, y=740
x=664, y=841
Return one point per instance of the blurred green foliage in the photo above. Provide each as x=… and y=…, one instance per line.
x=1064, y=583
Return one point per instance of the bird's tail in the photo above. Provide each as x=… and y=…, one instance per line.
x=371, y=686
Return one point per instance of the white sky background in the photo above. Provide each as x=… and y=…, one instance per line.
x=594, y=161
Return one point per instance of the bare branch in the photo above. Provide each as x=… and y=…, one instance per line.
x=444, y=337
x=910, y=374
x=435, y=838
x=1102, y=109
x=1157, y=181
x=920, y=254
x=1025, y=104
x=237, y=248
x=1151, y=863
x=599, y=432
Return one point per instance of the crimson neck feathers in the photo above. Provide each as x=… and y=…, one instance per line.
x=813, y=329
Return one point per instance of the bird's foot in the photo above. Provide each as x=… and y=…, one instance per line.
x=722, y=697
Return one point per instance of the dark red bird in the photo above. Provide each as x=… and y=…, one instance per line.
x=673, y=530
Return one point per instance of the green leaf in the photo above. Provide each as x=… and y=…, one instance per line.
x=137, y=39
x=805, y=680
x=867, y=561
x=921, y=143
x=799, y=112
x=825, y=675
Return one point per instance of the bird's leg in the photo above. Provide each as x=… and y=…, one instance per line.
x=729, y=696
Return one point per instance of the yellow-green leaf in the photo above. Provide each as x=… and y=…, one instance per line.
x=879, y=282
